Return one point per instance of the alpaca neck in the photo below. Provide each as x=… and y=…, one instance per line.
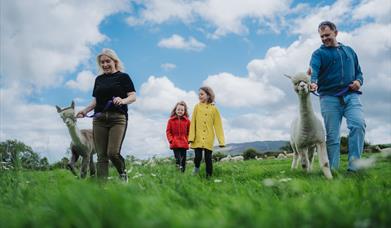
x=75, y=135
x=306, y=110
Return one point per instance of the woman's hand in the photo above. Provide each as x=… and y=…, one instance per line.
x=118, y=101
x=81, y=114
x=90, y=107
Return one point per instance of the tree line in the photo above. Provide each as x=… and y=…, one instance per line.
x=15, y=154
x=252, y=153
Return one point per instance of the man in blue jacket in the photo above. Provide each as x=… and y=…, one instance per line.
x=336, y=75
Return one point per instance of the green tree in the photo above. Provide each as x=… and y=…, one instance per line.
x=287, y=147
x=62, y=164
x=129, y=159
x=345, y=144
x=29, y=159
x=16, y=154
x=10, y=151
x=218, y=156
x=44, y=164
x=250, y=154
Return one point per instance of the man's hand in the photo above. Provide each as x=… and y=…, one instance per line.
x=313, y=86
x=355, y=86
x=309, y=71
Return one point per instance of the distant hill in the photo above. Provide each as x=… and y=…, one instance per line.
x=259, y=146
x=239, y=148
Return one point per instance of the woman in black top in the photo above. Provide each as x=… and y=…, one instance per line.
x=113, y=91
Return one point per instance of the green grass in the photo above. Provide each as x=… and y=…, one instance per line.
x=245, y=194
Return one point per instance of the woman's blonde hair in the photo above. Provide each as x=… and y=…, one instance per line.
x=112, y=55
x=210, y=93
x=173, y=112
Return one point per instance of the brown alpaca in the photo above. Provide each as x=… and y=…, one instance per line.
x=82, y=142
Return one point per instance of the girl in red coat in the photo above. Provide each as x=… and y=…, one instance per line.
x=177, y=133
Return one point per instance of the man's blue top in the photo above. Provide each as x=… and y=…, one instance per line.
x=334, y=68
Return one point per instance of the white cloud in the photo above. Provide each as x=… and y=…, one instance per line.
x=159, y=95
x=146, y=135
x=36, y=125
x=232, y=91
x=39, y=46
x=226, y=16
x=377, y=37
x=308, y=24
x=178, y=42
x=279, y=61
x=168, y=66
x=378, y=131
x=84, y=81
x=257, y=127
x=162, y=11
x=378, y=9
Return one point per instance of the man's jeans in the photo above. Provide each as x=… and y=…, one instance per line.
x=333, y=109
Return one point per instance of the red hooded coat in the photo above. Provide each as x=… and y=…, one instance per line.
x=177, y=132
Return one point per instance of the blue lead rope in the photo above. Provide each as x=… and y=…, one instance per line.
x=340, y=93
x=107, y=106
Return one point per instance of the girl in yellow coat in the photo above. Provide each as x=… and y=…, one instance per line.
x=205, y=123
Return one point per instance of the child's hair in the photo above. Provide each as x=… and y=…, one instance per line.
x=210, y=93
x=173, y=112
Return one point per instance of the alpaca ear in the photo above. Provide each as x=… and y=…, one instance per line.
x=288, y=76
x=58, y=109
x=73, y=105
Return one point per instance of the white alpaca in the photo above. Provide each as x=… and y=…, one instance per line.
x=228, y=158
x=82, y=142
x=237, y=158
x=307, y=134
x=258, y=158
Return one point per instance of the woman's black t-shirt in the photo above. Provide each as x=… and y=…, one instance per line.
x=108, y=86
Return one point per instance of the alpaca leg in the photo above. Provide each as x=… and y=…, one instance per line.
x=295, y=157
x=299, y=158
x=324, y=160
x=305, y=163
x=84, y=166
x=72, y=162
x=294, y=161
x=311, y=156
x=92, y=165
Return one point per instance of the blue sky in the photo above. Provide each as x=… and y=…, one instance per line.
x=171, y=48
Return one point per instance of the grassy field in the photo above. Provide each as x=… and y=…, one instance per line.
x=244, y=194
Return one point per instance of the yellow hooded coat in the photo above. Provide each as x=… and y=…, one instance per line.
x=205, y=122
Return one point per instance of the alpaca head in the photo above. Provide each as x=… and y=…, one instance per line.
x=68, y=114
x=301, y=83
